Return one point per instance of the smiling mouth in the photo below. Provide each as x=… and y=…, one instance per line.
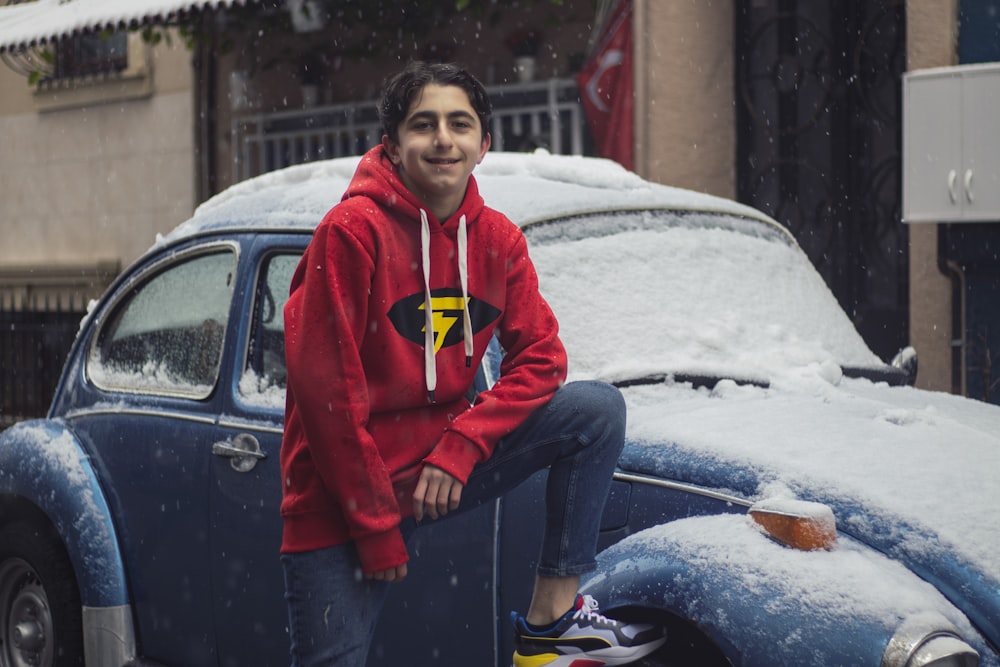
x=442, y=161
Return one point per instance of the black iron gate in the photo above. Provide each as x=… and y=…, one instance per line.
x=819, y=136
x=33, y=348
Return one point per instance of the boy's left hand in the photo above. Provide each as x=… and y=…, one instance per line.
x=436, y=494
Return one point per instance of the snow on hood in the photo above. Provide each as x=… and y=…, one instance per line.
x=850, y=586
x=898, y=454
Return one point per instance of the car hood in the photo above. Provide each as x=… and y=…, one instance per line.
x=912, y=473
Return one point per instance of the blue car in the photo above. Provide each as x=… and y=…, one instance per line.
x=785, y=497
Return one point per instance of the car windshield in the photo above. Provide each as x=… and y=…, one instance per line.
x=642, y=293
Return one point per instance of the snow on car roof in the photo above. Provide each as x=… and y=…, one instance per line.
x=296, y=198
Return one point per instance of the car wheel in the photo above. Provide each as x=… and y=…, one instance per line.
x=40, y=622
x=670, y=656
x=686, y=645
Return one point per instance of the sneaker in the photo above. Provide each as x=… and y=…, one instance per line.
x=584, y=638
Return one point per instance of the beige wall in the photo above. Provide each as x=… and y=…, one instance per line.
x=931, y=37
x=685, y=111
x=92, y=173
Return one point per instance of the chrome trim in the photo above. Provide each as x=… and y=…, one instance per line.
x=680, y=486
x=108, y=636
x=243, y=451
x=928, y=640
x=251, y=426
x=139, y=412
x=495, y=574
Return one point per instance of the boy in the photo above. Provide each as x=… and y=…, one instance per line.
x=390, y=312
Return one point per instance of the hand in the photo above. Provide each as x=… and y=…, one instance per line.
x=437, y=493
x=393, y=574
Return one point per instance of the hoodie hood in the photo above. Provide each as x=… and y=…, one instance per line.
x=378, y=179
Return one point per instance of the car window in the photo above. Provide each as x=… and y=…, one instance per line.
x=166, y=335
x=263, y=380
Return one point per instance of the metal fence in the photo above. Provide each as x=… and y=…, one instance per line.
x=33, y=349
x=541, y=114
x=40, y=315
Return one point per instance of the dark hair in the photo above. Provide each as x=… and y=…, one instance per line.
x=400, y=89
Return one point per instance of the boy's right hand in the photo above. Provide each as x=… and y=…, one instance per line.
x=393, y=574
x=436, y=494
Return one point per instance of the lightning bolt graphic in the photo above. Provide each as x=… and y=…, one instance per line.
x=446, y=311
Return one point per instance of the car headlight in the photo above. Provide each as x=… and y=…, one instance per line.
x=928, y=642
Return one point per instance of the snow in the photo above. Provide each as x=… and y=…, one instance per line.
x=737, y=300
x=155, y=376
x=706, y=298
x=260, y=391
x=784, y=506
x=692, y=299
x=45, y=20
x=707, y=301
x=297, y=197
x=50, y=457
x=904, y=453
x=850, y=585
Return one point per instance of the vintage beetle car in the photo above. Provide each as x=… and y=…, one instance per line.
x=139, y=522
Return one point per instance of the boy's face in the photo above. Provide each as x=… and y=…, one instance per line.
x=440, y=142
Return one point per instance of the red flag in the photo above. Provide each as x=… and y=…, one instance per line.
x=606, y=87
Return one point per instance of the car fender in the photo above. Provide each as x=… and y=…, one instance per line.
x=762, y=603
x=43, y=462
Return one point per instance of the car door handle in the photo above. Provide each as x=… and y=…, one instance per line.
x=243, y=452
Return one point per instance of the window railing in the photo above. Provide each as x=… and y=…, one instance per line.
x=91, y=54
x=542, y=114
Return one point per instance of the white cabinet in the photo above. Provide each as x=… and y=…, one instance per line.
x=951, y=144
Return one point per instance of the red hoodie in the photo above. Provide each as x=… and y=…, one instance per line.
x=360, y=422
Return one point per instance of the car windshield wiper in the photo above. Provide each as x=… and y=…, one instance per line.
x=893, y=376
x=707, y=381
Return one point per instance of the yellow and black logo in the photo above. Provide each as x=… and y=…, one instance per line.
x=407, y=315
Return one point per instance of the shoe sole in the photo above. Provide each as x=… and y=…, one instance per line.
x=616, y=655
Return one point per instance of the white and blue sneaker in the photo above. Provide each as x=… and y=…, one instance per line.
x=583, y=638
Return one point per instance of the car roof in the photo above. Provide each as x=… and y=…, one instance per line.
x=527, y=187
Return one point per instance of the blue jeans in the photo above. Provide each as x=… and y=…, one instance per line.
x=578, y=436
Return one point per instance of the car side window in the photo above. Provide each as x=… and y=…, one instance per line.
x=165, y=336
x=263, y=380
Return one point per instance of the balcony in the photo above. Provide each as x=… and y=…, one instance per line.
x=545, y=114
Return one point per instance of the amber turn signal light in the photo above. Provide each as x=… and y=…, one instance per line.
x=797, y=523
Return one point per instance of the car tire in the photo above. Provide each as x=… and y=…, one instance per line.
x=686, y=645
x=668, y=656
x=40, y=609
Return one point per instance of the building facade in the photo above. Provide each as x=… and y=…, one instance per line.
x=792, y=107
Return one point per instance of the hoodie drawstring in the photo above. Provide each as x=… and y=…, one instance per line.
x=430, y=359
x=463, y=275
x=430, y=363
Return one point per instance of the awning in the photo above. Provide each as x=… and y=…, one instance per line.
x=32, y=23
